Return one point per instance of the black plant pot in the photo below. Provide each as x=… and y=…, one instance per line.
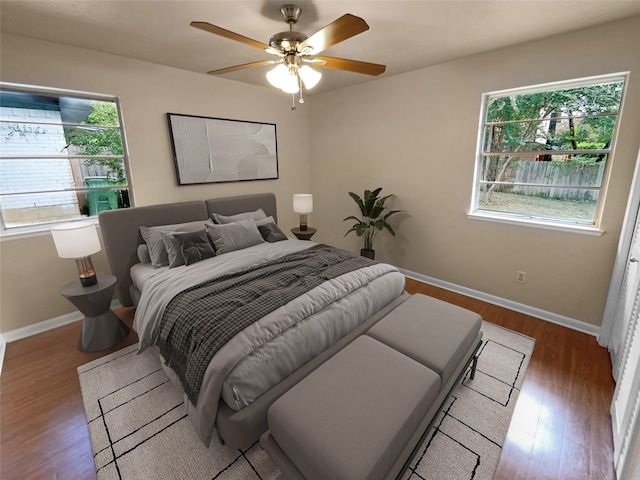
x=370, y=254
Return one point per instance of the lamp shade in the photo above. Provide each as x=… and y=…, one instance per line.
x=277, y=76
x=281, y=77
x=309, y=76
x=76, y=240
x=303, y=203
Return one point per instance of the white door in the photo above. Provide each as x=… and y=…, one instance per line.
x=621, y=334
x=624, y=347
x=625, y=407
x=627, y=308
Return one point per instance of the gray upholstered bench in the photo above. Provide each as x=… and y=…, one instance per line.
x=362, y=413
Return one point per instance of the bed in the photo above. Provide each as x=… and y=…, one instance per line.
x=230, y=386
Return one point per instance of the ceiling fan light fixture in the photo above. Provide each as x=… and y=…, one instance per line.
x=284, y=78
x=290, y=85
x=277, y=74
x=309, y=76
x=294, y=48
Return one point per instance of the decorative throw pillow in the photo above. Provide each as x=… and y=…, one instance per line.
x=153, y=238
x=234, y=236
x=224, y=219
x=173, y=249
x=271, y=233
x=194, y=246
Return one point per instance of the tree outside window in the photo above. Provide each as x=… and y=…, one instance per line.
x=545, y=151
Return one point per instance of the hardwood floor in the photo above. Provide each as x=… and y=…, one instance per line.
x=43, y=428
x=560, y=429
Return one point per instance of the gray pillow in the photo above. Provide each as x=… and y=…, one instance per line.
x=153, y=238
x=265, y=220
x=234, y=236
x=224, y=219
x=194, y=246
x=173, y=249
x=271, y=233
x=143, y=253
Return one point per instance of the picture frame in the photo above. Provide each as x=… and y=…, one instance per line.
x=218, y=150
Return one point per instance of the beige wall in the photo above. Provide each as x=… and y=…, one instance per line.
x=415, y=135
x=31, y=272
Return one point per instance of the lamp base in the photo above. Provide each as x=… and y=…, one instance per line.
x=89, y=280
x=86, y=272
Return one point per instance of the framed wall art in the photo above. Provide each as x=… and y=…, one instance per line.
x=214, y=150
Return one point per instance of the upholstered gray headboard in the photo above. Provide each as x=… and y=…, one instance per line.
x=121, y=228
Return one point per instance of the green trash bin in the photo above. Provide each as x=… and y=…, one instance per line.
x=99, y=200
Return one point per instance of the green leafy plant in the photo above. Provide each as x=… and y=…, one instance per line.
x=374, y=218
x=97, y=140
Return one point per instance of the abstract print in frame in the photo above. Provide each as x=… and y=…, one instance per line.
x=214, y=150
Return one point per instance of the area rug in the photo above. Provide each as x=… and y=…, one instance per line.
x=139, y=428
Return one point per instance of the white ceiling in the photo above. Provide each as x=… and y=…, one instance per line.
x=404, y=35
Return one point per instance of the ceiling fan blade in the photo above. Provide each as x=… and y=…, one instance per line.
x=242, y=67
x=345, y=27
x=349, y=65
x=207, y=27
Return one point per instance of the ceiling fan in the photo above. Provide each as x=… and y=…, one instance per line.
x=296, y=49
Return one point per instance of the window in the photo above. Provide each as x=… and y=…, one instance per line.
x=62, y=156
x=543, y=152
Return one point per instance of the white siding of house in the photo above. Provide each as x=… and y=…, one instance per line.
x=34, y=174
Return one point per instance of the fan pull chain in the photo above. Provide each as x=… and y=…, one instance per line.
x=293, y=101
x=301, y=100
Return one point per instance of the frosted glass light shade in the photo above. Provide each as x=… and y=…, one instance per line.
x=76, y=240
x=280, y=77
x=303, y=203
x=310, y=77
x=277, y=75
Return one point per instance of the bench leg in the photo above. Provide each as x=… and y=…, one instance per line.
x=474, y=364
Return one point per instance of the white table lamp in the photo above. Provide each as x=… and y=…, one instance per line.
x=78, y=240
x=303, y=204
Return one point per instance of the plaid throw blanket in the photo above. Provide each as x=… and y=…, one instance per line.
x=201, y=319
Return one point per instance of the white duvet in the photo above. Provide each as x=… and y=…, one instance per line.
x=278, y=344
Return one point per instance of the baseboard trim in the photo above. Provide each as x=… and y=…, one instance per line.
x=485, y=297
x=545, y=315
x=45, y=325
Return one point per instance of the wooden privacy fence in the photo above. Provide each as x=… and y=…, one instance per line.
x=563, y=179
x=93, y=170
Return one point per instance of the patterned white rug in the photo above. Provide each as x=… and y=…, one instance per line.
x=139, y=428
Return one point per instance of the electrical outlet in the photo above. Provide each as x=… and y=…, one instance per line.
x=403, y=251
x=521, y=277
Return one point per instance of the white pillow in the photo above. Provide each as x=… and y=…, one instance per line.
x=234, y=236
x=223, y=219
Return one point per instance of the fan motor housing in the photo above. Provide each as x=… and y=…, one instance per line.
x=287, y=41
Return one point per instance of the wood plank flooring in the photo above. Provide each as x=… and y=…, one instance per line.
x=43, y=429
x=560, y=429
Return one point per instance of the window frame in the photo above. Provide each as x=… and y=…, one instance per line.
x=59, y=93
x=532, y=220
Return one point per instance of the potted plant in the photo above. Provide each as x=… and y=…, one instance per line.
x=374, y=219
